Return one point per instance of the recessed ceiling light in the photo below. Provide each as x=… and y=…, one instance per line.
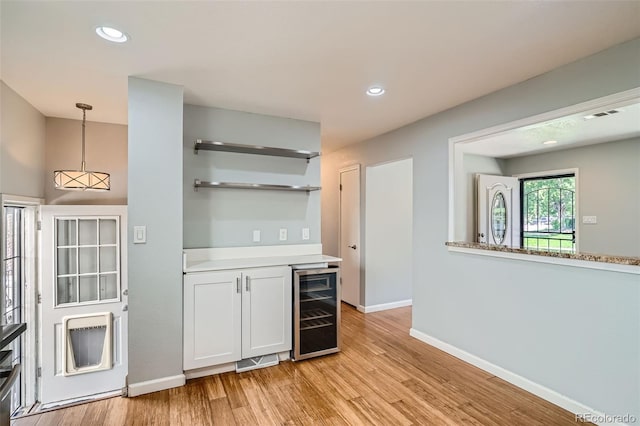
x=375, y=91
x=549, y=142
x=112, y=34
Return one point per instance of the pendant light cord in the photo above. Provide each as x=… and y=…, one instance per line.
x=84, y=117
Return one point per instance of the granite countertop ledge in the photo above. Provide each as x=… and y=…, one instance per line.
x=604, y=258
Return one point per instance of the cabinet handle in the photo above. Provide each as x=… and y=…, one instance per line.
x=248, y=286
x=238, y=287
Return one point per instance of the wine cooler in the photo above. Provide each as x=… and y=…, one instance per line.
x=316, y=312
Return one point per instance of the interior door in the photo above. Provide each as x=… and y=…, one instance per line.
x=350, y=234
x=83, y=332
x=498, y=214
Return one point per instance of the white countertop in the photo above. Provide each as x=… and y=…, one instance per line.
x=257, y=262
x=219, y=259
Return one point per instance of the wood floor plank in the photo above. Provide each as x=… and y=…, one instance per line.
x=221, y=413
x=26, y=421
x=117, y=412
x=382, y=376
x=214, y=387
x=149, y=409
x=233, y=390
x=189, y=405
x=73, y=415
x=96, y=413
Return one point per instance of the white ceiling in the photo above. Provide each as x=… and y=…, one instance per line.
x=307, y=60
x=569, y=132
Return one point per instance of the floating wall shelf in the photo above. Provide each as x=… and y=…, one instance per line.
x=259, y=186
x=253, y=149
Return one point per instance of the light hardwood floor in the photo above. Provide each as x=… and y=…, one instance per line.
x=382, y=376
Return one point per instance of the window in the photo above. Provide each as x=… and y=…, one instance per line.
x=548, y=213
x=11, y=309
x=87, y=260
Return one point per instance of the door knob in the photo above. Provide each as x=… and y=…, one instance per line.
x=353, y=247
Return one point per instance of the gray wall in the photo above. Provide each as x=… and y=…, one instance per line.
x=575, y=331
x=22, y=143
x=155, y=200
x=465, y=217
x=106, y=151
x=389, y=217
x=609, y=188
x=227, y=217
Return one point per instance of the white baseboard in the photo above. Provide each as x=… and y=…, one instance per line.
x=543, y=392
x=210, y=371
x=156, y=385
x=385, y=306
x=225, y=368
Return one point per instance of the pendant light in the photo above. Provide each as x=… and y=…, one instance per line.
x=82, y=180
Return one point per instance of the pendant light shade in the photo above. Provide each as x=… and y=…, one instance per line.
x=82, y=180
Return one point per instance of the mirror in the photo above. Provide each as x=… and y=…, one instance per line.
x=597, y=141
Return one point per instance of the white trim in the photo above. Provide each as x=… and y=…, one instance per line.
x=30, y=288
x=19, y=200
x=75, y=401
x=546, y=173
x=385, y=306
x=578, y=263
x=511, y=377
x=576, y=204
x=210, y=371
x=595, y=104
x=354, y=167
x=156, y=385
x=349, y=168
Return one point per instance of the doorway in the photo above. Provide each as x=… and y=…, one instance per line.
x=84, y=303
x=349, y=248
x=389, y=235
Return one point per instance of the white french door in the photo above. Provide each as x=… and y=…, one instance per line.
x=83, y=327
x=498, y=217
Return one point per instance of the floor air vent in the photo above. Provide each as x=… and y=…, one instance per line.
x=257, y=362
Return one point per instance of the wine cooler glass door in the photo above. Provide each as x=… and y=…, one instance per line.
x=317, y=313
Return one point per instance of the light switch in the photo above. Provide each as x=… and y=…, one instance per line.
x=139, y=234
x=283, y=234
x=305, y=233
x=256, y=236
x=590, y=220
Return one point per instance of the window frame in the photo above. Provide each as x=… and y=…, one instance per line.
x=550, y=174
x=77, y=274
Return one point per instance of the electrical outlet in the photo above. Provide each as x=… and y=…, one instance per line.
x=256, y=236
x=283, y=234
x=590, y=220
x=305, y=233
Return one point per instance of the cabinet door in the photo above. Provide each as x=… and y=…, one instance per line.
x=266, y=311
x=212, y=318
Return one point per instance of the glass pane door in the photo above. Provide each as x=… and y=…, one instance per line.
x=318, y=313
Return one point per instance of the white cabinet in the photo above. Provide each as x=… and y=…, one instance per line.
x=236, y=314
x=212, y=318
